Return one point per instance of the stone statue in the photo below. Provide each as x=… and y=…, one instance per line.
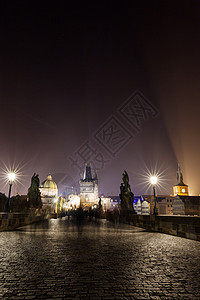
x=100, y=205
x=179, y=176
x=125, y=178
x=126, y=195
x=35, y=182
x=34, y=197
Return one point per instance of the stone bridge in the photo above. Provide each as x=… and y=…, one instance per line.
x=59, y=259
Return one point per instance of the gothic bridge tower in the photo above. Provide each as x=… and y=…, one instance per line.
x=88, y=189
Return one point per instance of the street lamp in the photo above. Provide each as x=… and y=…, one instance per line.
x=11, y=178
x=154, y=180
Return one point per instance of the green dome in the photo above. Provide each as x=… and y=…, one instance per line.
x=49, y=183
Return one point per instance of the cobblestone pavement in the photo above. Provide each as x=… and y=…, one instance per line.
x=55, y=260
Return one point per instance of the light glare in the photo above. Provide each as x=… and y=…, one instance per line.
x=153, y=180
x=11, y=176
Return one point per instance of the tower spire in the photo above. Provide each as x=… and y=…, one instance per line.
x=179, y=176
x=87, y=173
x=180, y=188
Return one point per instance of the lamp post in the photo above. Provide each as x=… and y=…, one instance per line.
x=11, y=177
x=153, y=180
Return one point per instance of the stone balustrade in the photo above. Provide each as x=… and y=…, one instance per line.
x=182, y=226
x=11, y=221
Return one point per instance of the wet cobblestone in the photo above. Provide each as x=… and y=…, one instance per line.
x=54, y=260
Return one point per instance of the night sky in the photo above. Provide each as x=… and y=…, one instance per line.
x=71, y=70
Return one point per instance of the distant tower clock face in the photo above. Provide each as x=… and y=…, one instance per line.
x=183, y=190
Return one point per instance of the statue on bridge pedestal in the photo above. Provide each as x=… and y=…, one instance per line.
x=34, y=197
x=126, y=195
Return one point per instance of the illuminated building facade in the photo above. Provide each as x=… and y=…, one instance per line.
x=186, y=205
x=73, y=202
x=49, y=194
x=110, y=203
x=88, y=189
x=105, y=203
x=165, y=205
x=141, y=206
x=180, y=188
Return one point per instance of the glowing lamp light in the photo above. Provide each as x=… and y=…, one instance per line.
x=11, y=176
x=153, y=180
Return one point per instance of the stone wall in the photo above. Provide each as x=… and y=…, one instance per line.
x=11, y=221
x=183, y=226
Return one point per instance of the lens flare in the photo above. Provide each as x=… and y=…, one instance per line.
x=153, y=180
x=10, y=175
x=153, y=174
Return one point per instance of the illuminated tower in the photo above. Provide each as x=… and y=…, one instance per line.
x=88, y=189
x=180, y=188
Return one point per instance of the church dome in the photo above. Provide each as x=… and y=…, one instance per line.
x=49, y=183
x=49, y=188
